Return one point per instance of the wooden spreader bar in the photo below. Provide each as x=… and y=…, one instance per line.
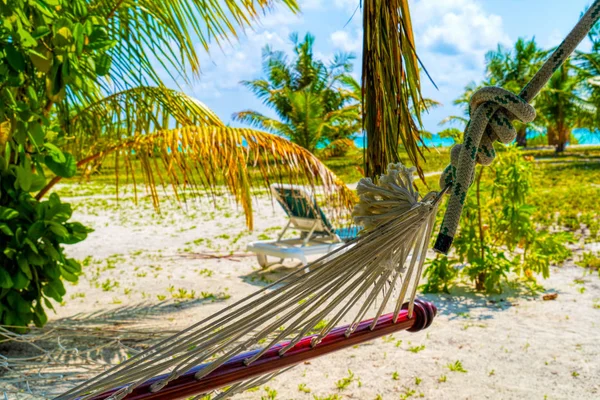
x=235, y=370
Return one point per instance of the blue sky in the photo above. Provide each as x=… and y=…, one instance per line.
x=452, y=39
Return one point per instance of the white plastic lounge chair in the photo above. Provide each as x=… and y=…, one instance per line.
x=317, y=235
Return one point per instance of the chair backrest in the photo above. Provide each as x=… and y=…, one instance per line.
x=302, y=209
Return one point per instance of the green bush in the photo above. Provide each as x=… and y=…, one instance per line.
x=33, y=262
x=49, y=51
x=498, y=242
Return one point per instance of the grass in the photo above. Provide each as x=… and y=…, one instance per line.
x=456, y=367
x=303, y=388
x=416, y=349
x=345, y=382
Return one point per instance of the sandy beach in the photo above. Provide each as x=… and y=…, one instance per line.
x=498, y=347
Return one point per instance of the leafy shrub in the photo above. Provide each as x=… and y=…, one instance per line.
x=32, y=258
x=497, y=237
x=439, y=274
x=48, y=51
x=590, y=261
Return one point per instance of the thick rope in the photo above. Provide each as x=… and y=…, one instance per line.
x=492, y=109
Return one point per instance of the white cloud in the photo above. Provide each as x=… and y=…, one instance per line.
x=350, y=5
x=452, y=38
x=457, y=28
x=347, y=41
x=225, y=67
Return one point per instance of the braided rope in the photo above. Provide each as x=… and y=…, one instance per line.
x=492, y=109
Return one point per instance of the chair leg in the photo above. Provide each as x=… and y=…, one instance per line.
x=305, y=263
x=262, y=260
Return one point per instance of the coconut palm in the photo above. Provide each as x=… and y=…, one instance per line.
x=315, y=103
x=163, y=136
x=512, y=69
x=587, y=65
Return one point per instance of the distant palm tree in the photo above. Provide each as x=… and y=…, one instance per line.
x=315, y=103
x=512, y=69
x=587, y=65
x=561, y=106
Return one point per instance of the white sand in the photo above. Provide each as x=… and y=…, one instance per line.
x=517, y=348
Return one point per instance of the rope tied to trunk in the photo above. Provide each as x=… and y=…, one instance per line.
x=491, y=110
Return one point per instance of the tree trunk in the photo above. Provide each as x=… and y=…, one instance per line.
x=522, y=136
x=563, y=138
x=552, y=137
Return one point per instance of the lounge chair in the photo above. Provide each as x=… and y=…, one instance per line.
x=317, y=235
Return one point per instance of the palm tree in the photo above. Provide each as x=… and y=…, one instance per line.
x=561, y=108
x=587, y=65
x=512, y=69
x=315, y=103
x=168, y=138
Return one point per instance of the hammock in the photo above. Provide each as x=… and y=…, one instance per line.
x=236, y=371
x=381, y=267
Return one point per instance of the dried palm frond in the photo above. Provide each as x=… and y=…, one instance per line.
x=391, y=85
x=171, y=140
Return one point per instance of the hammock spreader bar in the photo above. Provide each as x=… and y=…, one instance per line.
x=236, y=370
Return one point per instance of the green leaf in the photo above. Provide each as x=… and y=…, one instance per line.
x=20, y=280
x=58, y=229
x=66, y=169
x=41, y=59
x=39, y=316
x=25, y=38
x=78, y=233
x=103, y=64
x=36, y=230
x=54, y=289
x=68, y=276
x=40, y=31
x=73, y=266
x=37, y=133
x=5, y=280
x=15, y=58
x=7, y=214
x=4, y=228
x=24, y=266
x=24, y=178
x=63, y=36
x=79, y=36
x=35, y=259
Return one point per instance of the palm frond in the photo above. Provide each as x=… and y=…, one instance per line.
x=391, y=83
x=260, y=121
x=125, y=114
x=196, y=160
x=144, y=32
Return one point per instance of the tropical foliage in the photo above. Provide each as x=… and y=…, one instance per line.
x=512, y=69
x=78, y=81
x=316, y=103
x=570, y=100
x=498, y=241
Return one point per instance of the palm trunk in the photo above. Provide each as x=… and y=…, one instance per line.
x=563, y=138
x=522, y=136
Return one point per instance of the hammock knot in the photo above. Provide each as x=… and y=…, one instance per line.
x=491, y=109
x=393, y=195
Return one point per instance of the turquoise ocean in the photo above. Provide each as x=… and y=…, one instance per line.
x=583, y=136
